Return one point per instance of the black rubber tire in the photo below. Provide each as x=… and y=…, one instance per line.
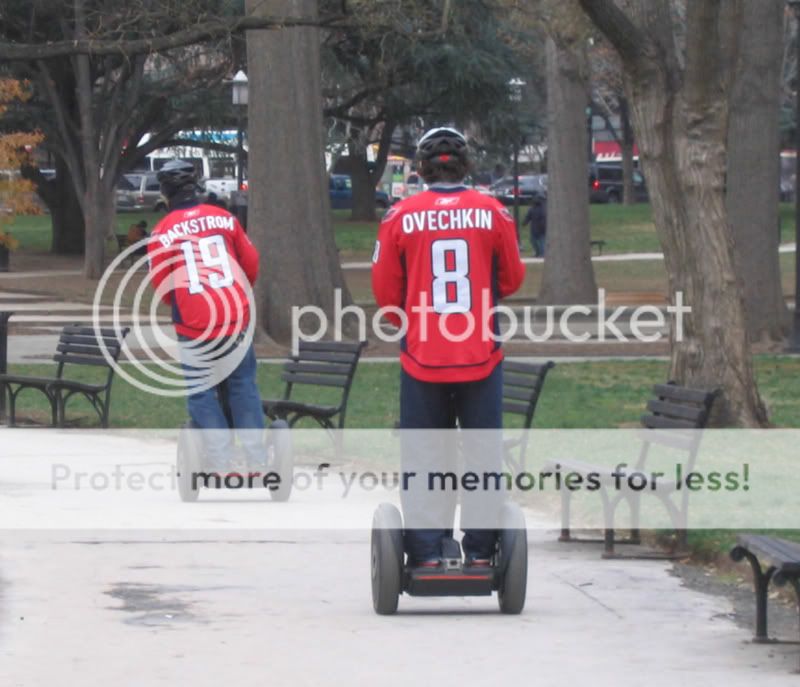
x=187, y=464
x=160, y=207
x=513, y=546
x=281, y=459
x=381, y=205
x=613, y=198
x=386, y=559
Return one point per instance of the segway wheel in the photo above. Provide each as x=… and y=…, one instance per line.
x=387, y=559
x=281, y=459
x=513, y=560
x=187, y=464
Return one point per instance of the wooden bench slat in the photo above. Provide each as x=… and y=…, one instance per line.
x=67, y=358
x=38, y=382
x=87, y=350
x=533, y=369
x=88, y=339
x=82, y=330
x=681, y=393
x=783, y=554
x=659, y=422
x=331, y=346
x=519, y=408
x=319, y=380
x=694, y=413
x=519, y=380
x=344, y=358
x=318, y=368
x=517, y=394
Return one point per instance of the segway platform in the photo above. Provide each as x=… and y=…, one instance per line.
x=507, y=573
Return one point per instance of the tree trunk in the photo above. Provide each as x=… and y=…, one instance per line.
x=99, y=212
x=289, y=207
x=69, y=229
x=681, y=130
x=66, y=215
x=363, y=185
x=626, y=148
x=568, y=275
x=754, y=168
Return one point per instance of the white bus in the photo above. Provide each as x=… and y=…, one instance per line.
x=217, y=169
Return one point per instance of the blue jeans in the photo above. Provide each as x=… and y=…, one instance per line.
x=538, y=245
x=245, y=406
x=425, y=405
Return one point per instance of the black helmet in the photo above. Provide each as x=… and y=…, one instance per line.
x=175, y=176
x=441, y=144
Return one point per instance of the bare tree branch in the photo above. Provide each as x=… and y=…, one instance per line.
x=209, y=30
x=631, y=43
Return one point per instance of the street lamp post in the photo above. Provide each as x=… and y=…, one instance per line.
x=240, y=97
x=516, y=86
x=794, y=342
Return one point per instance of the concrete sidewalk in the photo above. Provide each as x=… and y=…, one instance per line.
x=294, y=609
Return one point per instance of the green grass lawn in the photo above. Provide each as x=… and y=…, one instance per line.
x=592, y=395
x=625, y=229
x=35, y=231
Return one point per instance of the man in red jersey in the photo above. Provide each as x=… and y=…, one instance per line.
x=444, y=257
x=203, y=265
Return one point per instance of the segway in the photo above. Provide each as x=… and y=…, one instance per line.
x=191, y=465
x=391, y=575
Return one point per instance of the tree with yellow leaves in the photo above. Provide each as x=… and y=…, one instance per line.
x=16, y=194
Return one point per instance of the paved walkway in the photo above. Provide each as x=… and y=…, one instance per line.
x=206, y=603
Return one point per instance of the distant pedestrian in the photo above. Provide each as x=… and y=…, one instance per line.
x=137, y=232
x=537, y=218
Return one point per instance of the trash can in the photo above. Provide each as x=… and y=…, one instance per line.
x=4, y=318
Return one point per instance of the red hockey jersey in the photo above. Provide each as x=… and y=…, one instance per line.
x=444, y=257
x=201, y=262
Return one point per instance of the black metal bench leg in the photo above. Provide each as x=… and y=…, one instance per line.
x=796, y=586
x=761, y=583
x=12, y=408
x=608, y=543
x=565, y=507
x=635, y=506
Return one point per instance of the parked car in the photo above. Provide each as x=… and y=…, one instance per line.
x=530, y=186
x=139, y=191
x=341, y=192
x=606, y=185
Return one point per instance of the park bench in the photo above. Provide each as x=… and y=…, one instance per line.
x=78, y=346
x=671, y=418
x=522, y=386
x=317, y=364
x=599, y=245
x=781, y=560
